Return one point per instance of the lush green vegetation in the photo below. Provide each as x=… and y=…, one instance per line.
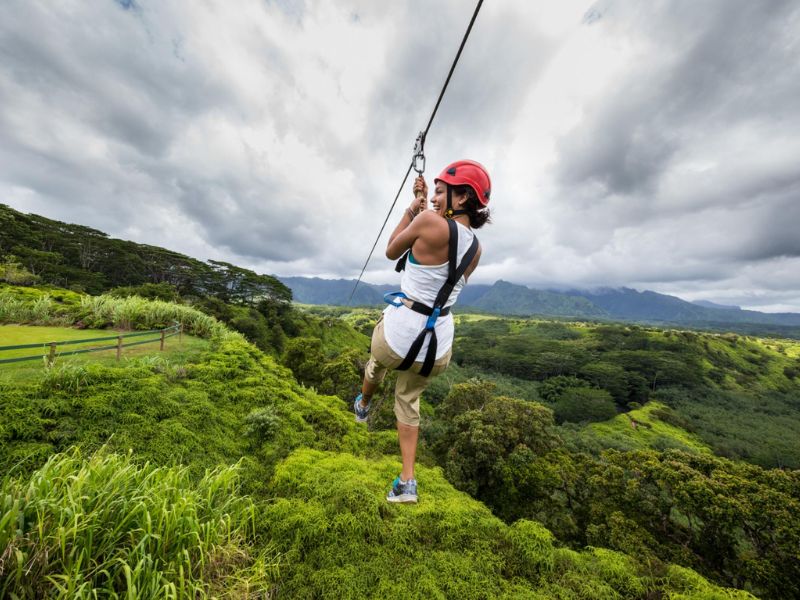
x=315, y=523
x=674, y=390
x=354, y=545
x=732, y=521
x=38, y=251
x=653, y=426
x=559, y=459
x=36, y=306
x=738, y=395
x=106, y=526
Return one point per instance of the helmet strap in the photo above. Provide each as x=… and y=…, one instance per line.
x=449, y=213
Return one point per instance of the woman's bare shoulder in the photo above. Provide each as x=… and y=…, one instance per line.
x=432, y=223
x=428, y=216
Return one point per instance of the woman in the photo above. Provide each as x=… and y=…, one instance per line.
x=415, y=334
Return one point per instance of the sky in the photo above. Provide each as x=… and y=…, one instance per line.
x=652, y=145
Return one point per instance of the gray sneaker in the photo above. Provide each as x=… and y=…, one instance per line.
x=361, y=413
x=403, y=492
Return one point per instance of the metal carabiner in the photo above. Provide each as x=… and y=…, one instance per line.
x=418, y=161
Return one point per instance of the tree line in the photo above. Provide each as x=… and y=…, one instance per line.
x=34, y=249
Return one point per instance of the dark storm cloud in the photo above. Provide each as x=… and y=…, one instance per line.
x=135, y=90
x=687, y=171
x=772, y=230
x=126, y=90
x=621, y=159
x=226, y=212
x=713, y=66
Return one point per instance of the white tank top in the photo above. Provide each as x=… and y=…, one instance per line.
x=422, y=283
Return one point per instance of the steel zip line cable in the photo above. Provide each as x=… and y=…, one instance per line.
x=424, y=135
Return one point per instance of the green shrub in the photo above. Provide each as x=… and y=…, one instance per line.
x=489, y=452
x=69, y=377
x=553, y=387
x=13, y=272
x=584, y=404
x=531, y=552
x=304, y=357
x=262, y=423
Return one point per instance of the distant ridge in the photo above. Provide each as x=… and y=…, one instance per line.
x=624, y=304
x=511, y=299
x=630, y=304
x=709, y=304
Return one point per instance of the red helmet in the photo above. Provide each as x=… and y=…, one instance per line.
x=471, y=173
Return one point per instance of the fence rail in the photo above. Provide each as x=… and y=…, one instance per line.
x=51, y=353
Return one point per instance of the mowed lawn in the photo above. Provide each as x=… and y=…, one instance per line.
x=175, y=349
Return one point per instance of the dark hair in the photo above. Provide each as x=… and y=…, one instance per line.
x=477, y=213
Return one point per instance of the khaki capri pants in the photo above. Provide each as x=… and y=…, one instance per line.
x=410, y=384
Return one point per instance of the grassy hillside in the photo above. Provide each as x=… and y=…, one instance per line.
x=175, y=349
x=448, y=546
x=315, y=523
x=641, y=429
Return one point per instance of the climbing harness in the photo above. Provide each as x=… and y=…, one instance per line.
x=454, y=274
x=419, y=158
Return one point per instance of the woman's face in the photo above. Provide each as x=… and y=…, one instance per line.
x=439, y=199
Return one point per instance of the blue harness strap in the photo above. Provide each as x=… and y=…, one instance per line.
x=454, y=274
x=393, y=298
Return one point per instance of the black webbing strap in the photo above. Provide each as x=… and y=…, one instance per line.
x=449, y=213
x=454, y=274
x=401, y=263
x=426, y=310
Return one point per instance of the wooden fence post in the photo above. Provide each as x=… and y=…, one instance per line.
x=180, y=333
x=119, y=347
x=51, y=358
x=162, y=340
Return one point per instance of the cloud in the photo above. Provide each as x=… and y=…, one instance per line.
x=629, y=144
x=684, y=171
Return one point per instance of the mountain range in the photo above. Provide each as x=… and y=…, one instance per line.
x=37, y=249
x=624, y=304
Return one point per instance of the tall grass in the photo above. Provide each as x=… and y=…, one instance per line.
x=67, y=377
x=98, y=312
x=134, y=312
x=105, y=527
x=40, y=311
